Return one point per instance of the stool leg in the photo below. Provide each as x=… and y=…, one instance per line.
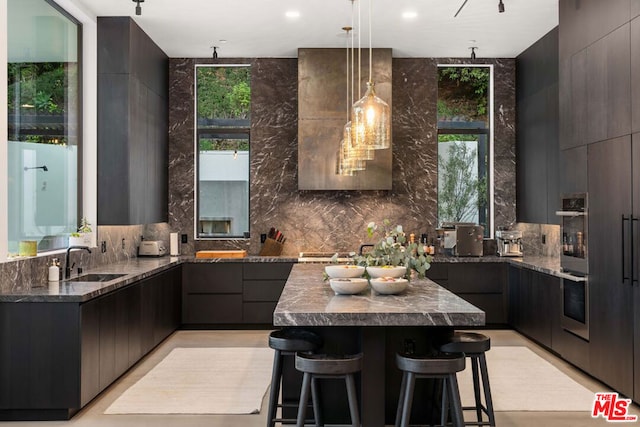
x=317, y=406
x=275, y=388
x=444, y=407
x=401, y=399
x=353, y=400
x=476, y=387
x=408, y=399
x=456, y=406
x=487, y=389
x=304, y=398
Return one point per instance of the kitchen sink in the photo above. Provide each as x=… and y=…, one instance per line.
x=96, y=277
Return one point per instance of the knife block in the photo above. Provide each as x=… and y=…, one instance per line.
x=271, y=248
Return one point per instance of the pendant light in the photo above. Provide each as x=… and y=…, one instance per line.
x=371, y=116
x=350, y=159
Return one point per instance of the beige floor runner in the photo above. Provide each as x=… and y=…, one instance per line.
x=523, y=381
x=201, y=381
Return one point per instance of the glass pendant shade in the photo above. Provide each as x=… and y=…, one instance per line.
x=371, y=118
x=346, y=164
x=354, y=150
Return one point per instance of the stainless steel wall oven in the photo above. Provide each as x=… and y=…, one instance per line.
x=574, y=261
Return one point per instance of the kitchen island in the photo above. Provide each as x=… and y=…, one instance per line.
x=419, y=318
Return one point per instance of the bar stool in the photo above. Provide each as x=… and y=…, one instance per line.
x=440, y=366
x=316, y=366
x=287, y=342
x=474, y=346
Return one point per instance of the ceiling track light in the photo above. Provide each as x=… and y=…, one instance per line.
x=138, y=7
x=215, y=52
x=501, y=7
x=473, y=52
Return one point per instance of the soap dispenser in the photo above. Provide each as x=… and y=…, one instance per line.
x=54, y=271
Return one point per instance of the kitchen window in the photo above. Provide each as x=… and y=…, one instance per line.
x=43, y=118
x=465, y=145
x=223, y=122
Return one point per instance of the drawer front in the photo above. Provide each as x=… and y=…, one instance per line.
x=477, y=278
x=225, y=278
x=262, y=290
x=267, y=270
x=211, y=309
x=258, y=312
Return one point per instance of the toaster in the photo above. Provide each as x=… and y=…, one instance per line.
x=152, y=248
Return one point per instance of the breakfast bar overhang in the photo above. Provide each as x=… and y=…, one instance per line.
x=421, y=317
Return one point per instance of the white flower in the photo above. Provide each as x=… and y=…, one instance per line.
x=399, y=229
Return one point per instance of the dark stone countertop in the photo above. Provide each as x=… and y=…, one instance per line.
x=140, y=268
x=307, y=300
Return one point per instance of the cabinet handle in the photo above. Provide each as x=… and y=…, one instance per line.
x=624, y=250
x=634, y=222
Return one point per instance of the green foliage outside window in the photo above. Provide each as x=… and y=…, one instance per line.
x=463, y=93
x=224, y=92
x=460, y=193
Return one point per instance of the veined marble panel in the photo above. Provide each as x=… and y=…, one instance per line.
x=333, y=221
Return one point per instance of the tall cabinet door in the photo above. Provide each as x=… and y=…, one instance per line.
x=611, y=305
x=635, y=152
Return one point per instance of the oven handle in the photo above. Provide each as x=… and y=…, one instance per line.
x=571, y=277
x=624, y=249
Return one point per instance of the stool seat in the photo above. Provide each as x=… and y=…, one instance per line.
x=294, y=340
x=467, y=342
x=438, y=364
x=329, y=364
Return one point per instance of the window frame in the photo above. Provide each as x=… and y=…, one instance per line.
x=198, y=131
x=78, y=124
x=479, y=131
x=87, y=128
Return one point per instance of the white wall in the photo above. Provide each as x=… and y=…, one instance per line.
x=3, y=132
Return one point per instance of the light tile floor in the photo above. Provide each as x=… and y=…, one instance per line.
x=92, y=415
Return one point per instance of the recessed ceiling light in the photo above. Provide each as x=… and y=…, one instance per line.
x=409, y=15
x=292, y=14
x=222, y=41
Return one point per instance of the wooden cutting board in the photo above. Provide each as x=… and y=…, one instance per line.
x=221, y=254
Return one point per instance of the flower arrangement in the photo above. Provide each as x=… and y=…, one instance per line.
x=393, y=249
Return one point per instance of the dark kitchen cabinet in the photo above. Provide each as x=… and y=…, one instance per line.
x=262, y=285
x=232, y=293
x=483, y=284
x=635, y=73
x=212, y=293
x=132, y=125
x=610, y=288
x=573, y=171
x=533, y=310
x=537, y=148
x=635, y=151
x=56, y=356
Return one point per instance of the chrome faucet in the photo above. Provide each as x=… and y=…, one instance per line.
x=67, y=269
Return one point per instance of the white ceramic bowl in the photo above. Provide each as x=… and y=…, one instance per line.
x=389, y=285
x=348, y=286
x=386, y=271
x=343, y=270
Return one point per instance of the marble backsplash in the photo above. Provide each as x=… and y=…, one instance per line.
x=122, y=243
x=328, y=221
x=533, y=236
